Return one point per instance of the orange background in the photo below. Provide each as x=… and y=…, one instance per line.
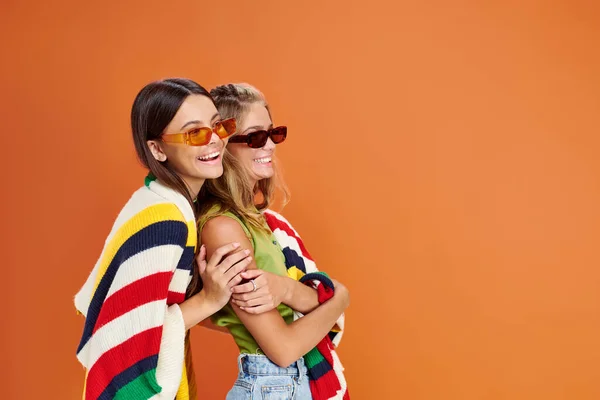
x=444, y=163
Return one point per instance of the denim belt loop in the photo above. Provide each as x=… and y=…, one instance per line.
x=240, y=362
x=300, y=365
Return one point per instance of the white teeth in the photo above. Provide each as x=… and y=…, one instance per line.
x=209, y=156
x=263, y=160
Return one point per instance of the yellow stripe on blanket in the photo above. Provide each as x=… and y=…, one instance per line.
x=295, y=273
x=183, y=393
x=143, y=219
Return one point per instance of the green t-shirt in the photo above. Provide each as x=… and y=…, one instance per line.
x=268, y=257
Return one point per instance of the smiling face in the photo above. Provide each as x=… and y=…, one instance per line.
x=259, y=162
x=194, y=164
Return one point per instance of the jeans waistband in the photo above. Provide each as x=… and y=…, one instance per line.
x=256, y=364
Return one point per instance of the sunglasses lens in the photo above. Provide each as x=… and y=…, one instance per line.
x=226, y=128
x=258, y=139
x=278, y=134
x=200, y=136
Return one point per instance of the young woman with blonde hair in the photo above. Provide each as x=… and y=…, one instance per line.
x=272, y=344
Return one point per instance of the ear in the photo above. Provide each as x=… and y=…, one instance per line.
x=156, y=150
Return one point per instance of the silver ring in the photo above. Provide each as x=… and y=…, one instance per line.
x=253, y=284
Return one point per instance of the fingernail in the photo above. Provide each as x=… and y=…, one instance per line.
x=247, y=251
x=236, y=245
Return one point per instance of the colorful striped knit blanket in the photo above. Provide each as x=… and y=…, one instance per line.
x=325, y=371
x=134, y=344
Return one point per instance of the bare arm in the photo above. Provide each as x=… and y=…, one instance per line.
x=282, y=343
x=196, y=309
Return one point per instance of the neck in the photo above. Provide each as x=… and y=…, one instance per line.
x=194, y=186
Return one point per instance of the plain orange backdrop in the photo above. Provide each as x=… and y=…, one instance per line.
x=443, y=159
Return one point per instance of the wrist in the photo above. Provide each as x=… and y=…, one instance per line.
x=288, y=286
x=204, y=301
x=341, y=298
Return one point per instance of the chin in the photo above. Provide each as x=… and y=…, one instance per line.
x=213, y=173
x=264, y=174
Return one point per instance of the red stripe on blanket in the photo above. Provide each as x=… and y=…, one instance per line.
x=276, y=223
x=150, y=288
x=175, y=298
x=325, y=347
x=326, y=387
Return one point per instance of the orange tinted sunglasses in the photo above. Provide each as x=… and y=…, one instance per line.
x=202, y=136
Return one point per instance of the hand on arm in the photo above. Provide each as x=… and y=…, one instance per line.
x=219, y=275
x=272, y=290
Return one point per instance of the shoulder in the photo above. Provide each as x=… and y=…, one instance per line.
x=147, y=216
x=223, y=229
x=147, y=204
x=227, y=226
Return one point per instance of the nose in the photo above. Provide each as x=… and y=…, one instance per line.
x=214, y=139
x=269, y=145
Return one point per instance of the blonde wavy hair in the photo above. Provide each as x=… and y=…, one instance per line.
x=233, y=191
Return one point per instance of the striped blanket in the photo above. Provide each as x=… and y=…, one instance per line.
x=134, y=343
x=325, y=371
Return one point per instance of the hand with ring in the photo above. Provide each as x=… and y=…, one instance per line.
x=264, y=291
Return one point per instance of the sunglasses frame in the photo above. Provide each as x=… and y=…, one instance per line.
x=185, y=137
x=247, y=139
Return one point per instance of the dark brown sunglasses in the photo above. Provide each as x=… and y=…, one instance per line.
x=258, y=139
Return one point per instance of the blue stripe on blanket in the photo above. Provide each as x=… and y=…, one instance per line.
x=128, y=375
x=293, y=259
x=318, y=276
x=317, y=371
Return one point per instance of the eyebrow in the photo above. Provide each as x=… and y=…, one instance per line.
x=217, y=115
x=257, y=127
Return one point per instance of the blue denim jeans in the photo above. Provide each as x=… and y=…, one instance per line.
x=261, y=379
